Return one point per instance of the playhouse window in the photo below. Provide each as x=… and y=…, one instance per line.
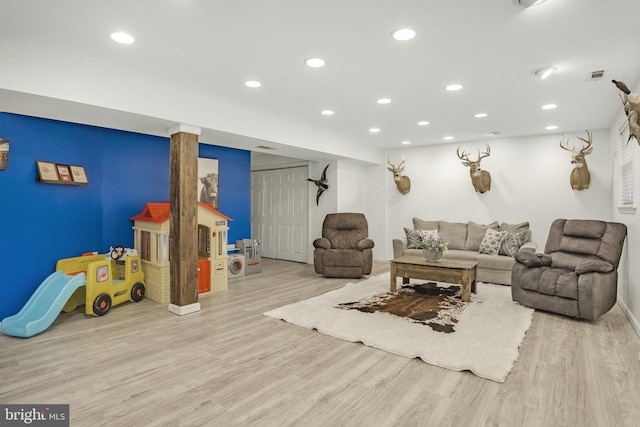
x=145, y=245
x=165, y=248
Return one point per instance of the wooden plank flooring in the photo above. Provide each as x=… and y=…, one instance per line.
x=230, y=366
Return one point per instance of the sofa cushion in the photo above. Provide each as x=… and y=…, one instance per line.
x=551, y=281
x=454, y=234
x=342, y=258
x=491, y=242
x=414, y=240
x=420, y=224
x=460, y=254
x=495, y=262
x=512, y=243
x=475, y=233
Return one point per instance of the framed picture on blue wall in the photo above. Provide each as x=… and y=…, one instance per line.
x=208, y=186
x=4, y=153
x=78, y=174
x=47, y=171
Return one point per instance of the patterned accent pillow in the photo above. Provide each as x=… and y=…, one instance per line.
x=425, y=235
x=491, y=242
x=414, y=239
x=512, y=242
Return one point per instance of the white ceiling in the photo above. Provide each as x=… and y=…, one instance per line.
x=206, y=49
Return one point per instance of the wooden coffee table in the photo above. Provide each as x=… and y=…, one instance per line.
x=446, y=270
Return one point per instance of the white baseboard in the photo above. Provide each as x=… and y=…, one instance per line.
x=634, y=322
x=182, y=310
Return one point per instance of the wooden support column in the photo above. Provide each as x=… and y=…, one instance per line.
x=183, y=227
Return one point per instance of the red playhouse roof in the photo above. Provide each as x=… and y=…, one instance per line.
x=159, y=212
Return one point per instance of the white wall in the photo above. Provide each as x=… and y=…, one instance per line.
x=530, y=182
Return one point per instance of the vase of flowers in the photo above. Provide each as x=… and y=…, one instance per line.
x=433, y=246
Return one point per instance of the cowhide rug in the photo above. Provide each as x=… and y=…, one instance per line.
x=427, y=303
x=488, y=331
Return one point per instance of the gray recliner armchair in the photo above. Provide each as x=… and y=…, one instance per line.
x=345, y=249
x=577, y=275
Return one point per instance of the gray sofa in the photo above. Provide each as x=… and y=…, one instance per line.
x=464, y=241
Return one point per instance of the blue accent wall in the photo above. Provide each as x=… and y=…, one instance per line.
x=41, y=223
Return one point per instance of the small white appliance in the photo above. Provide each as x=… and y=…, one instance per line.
x=250, y=249
x=236, y=266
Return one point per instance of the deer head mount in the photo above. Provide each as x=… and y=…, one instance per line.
x=481, y=179
x=580, y=176
x=631, y=103
x=403, y=183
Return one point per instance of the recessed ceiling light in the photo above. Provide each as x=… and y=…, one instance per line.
x=252, y=83
x=448, y=138
x=454, y=87
x=552, y=127
x=549, y=106
x=405, y=142
x=543, y=73
x=404, y=34
x=383, y=101
x=423, y=123
x=374, y=130
x=327, y=112
x=123, y=38
x=315, y=62
x=480, y=115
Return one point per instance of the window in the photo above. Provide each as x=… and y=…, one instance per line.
x=145, y=245
x=627, y=171
x=162, y=248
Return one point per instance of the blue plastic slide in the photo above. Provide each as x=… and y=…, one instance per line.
x=44, y=306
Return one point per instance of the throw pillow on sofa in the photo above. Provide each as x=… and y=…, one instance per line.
x=425, y=235
x=516, y=228
x=475, y=233
x=491, y=242
x=414, y=239
x=512, y=243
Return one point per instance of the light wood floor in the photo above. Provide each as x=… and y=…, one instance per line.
x=230, y=366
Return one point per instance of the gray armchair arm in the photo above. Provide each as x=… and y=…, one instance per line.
x=322, y=243
x=366, y=244
x=594, y=266
x=533, y=260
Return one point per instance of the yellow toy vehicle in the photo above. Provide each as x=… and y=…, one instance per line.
x=111, y=280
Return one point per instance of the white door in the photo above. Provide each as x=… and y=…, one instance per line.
x=293, y=214
x=263, y=217
x=279, y=212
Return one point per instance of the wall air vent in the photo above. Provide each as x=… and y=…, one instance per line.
x=595, y=75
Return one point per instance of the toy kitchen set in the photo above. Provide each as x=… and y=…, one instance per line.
x=244, y=258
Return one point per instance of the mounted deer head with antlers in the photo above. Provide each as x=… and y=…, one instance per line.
x=580, y=176
x=403, y=183
x=631, y=103
x=480, y=179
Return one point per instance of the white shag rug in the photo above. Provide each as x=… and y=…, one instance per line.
x=486, y=341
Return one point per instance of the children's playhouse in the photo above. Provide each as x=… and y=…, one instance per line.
x=151, y=239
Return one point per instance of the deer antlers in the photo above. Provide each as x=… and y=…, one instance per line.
x=395, y=168
x=584, y=150
x=465, y=156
